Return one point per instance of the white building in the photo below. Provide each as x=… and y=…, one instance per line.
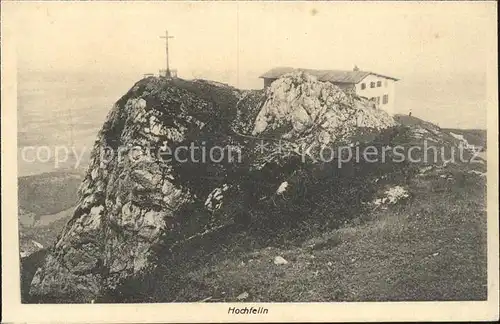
x=376, y=87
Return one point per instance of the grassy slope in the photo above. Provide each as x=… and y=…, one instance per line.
x=432, y=247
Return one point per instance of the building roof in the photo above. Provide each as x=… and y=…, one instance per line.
x=338, y=76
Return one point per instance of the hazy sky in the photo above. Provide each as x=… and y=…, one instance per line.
x=235, y=42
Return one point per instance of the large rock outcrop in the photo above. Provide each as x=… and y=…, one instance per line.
x=136, y=189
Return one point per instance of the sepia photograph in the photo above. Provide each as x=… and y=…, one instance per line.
x=243, y=161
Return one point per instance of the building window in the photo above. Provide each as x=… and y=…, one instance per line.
x=363, y=86
x=379, y=84
x=372, y=84
x=385, y=83
x=385, y=100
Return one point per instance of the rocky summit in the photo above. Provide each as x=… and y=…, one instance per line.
x=177, y=158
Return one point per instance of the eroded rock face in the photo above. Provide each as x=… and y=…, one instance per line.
x=132, y=195
x=128, y=193
x=315, y=113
